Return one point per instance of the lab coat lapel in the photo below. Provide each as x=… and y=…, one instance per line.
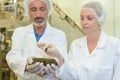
x=47, y=34
x=83, y=45
x=29, y=35
x=101, y=43
x=102, y=40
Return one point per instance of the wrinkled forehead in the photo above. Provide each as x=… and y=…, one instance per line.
x=36, y=0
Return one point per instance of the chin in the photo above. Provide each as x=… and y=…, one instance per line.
x=39, y=24
x=85, y=31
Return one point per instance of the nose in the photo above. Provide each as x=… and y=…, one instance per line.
x=37, y=13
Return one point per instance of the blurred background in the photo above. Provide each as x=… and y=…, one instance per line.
x=65, y=16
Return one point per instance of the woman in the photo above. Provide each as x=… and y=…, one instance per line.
x=93, y=57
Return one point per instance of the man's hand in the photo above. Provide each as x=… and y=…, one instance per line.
x=50, y=69
x=37, y=68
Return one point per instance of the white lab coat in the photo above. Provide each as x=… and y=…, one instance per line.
x=24, y=45
x=102, y=64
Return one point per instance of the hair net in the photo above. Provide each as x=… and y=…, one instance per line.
x=48, y=2
x=97, y=9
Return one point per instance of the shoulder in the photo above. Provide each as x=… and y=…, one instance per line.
x=22, y=29
x=57, y=31
x=53, y=30
x=113, y=40
x=114, y=43
x=108, y=40
x=80, y=41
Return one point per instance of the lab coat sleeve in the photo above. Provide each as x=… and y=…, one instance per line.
x=68, y=70
x=61, y=44
x=14, y=57
x=117, y=64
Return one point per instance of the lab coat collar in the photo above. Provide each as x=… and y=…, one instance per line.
x=29, y=28
x=49, y=30
x=101, y=43
x=47, y=34
x=102, y=40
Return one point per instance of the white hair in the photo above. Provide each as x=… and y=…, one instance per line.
x=48, y=3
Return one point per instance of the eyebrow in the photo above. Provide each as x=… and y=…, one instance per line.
x=33, y=8
x=87, y=16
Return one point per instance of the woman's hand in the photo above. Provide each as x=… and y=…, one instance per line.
x=49, y=49
x=52, y=51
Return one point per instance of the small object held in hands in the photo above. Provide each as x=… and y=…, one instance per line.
x=46, y=49
x=45, y=61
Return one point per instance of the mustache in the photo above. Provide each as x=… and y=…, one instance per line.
x=39, y=18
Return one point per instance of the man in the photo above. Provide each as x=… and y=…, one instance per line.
x=25, y=41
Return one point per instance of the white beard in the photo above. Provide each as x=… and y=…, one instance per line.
x=38, y=24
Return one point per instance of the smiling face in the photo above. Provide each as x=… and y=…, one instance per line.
x=88, y=21
x=38, y=12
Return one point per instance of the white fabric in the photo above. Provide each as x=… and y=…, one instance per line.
x=24, y=45
x=97, y=9
x=102, y=64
